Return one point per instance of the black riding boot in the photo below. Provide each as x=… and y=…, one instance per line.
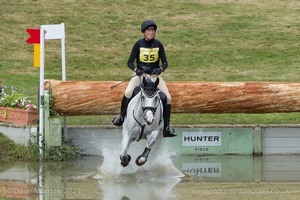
x=118, y=121
x=168, y=131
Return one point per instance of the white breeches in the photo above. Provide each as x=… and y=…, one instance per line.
x=135, y=81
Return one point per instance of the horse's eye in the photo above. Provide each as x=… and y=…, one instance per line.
x=142, y=98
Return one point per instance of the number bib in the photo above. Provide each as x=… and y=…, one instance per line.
x=148, y=55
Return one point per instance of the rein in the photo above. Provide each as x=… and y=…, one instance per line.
x=144, y=109
x=153, y=109
x=142, y=126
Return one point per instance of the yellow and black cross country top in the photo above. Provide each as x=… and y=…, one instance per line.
x=150, y=54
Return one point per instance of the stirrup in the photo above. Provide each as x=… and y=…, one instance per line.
x=169, y=132
x=118, y=121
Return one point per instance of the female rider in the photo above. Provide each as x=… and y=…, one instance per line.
x=147, y=52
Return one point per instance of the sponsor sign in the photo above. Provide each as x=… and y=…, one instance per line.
x=207, y=138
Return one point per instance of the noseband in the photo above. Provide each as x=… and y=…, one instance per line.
x=153, y=94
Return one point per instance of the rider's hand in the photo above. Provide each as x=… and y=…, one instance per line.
x=156, y=71
x=139, y=72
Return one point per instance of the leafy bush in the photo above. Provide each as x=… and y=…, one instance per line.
x=62, y=153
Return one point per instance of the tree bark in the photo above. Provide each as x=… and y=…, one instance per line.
x=97, y=97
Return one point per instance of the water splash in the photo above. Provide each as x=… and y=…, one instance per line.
x=154, y=180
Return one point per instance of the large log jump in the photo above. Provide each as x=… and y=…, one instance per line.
x=73, y=98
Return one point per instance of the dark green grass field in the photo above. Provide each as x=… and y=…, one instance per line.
x=204, y=40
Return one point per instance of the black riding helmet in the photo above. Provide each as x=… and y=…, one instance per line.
x=146, y=24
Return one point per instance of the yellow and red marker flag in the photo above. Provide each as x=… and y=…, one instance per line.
x=34, y=36
x=35, y=40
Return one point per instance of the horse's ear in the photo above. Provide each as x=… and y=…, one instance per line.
x=156, y=82
x=144, y=82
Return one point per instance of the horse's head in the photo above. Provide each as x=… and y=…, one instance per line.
x=149, y=84
x=149, y=98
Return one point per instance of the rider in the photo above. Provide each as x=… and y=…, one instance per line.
x=147, y=52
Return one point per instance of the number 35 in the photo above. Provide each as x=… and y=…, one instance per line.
x=149, y=57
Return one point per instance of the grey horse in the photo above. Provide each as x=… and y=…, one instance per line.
x=144, y=119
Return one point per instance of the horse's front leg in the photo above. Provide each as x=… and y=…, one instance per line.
x=126, y=140
x=142, y=159
x=151, y=139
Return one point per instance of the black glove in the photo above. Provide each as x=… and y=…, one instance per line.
x=156, y=71
x=139, y=72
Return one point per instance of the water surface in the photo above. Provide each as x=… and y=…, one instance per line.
x=163, y=177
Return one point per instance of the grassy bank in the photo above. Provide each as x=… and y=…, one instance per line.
x=10, y=151
x=204, y=41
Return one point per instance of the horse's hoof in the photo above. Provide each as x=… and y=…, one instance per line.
x=140, y=160
x=125, y=160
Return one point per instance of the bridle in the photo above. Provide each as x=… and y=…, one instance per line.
x=146, y=108
x=145, y=95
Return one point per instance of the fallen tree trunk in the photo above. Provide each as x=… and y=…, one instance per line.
x=96, y=97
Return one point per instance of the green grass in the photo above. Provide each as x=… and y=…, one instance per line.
x=205, y=40
x=11, y=151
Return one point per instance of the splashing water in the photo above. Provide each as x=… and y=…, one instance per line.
x=154, y=180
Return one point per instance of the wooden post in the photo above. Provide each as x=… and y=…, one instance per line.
x=97, y=97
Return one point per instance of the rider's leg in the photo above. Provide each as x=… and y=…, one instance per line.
x=133, y=83
x=118, y=121
x=168, y=131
